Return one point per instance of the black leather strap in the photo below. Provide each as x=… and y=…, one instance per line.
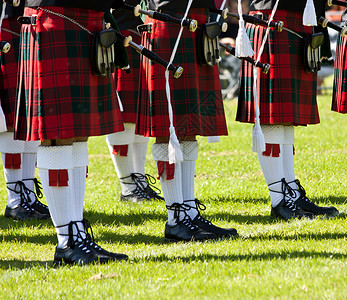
x=27, y=20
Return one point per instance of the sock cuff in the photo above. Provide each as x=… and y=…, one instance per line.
x=288, y=132
x=80, y=154
x=273, y=134
x=9, y=145
x=141, y=139
x=123, y=137
x=190, y=150
x=160, y=152
x=55, y=157
x=31, y=147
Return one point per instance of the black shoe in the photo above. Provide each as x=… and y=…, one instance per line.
x=309, y=206
x=80, y=254
x=136, y=196
x=209, y=227
x=24, y=212
x=304, y=203
x=287, y=209
x=185, y=230
x=40, y=207
x=95, y=247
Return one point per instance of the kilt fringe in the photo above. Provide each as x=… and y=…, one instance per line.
x=339, y=102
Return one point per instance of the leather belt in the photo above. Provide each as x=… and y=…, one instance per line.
x=144, y=28
x=27, y=20
x=261, y=16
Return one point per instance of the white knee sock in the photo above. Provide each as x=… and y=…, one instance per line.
x=288, y=158
x=190, y=151
x=139, y=156
x=122, y=142
x=12, y=158
x=271, y=161
x=29, y=164
x=55, y=164
x=171, y=183
x=12, y=176
x=79, y=174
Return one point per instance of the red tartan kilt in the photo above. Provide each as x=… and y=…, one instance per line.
x=196, y=96
x=339, y=102
x=128, y=84
x=287, y=94
x=60, y=98
x=9, y=67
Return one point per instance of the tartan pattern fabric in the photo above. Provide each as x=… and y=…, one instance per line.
x=196, y=96
x=287, y=94
x=59, y=97
x=339, y=103
x=128, y=84
x=8, y=71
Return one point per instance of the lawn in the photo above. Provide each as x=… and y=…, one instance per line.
x=272, y=259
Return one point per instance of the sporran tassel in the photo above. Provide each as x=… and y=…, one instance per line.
x=243, y=47
x=309, y=18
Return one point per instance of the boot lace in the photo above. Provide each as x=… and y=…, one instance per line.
x=177, y=209
x=140, y=188
x=289, y=194
x=198, y=206
x=24, y=192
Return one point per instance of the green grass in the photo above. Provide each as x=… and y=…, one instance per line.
x=300, y=259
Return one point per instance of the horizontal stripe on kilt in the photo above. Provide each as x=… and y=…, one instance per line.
x=339, y=102
x=287, y=94
x=9, y=67
x=196, y=96
x=128, y=84
x=59, y=97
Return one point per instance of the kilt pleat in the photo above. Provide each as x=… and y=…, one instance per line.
x=339, y=103
x=196, y=96
x=128, y=84
x=59, y=98
x=9, y=66
x=287, y=94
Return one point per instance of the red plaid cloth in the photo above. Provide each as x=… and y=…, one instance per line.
x=128, y=84
x=339, y=103
x=60, y=98
x=196, y=95
x=287, y=94
x=9, y=66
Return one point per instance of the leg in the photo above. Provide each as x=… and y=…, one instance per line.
x=288, y=165
x=271, y=162
x=28, y=177
x=139, y=159
x=18, y=206
x=56, y=166
x=190, y=155
x=179, y=226
x=120, y=145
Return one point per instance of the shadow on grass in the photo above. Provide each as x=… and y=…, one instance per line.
x=24, y=264
x=245, y=257
x=326, y=201
x=331, y=200
x=269, y=256
x=296, y=237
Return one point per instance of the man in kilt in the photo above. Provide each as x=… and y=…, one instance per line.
x=128, y=150
x=287, y=98
x=19, y=157
x=61, y=103
x=197, y=110
x=339, y=103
